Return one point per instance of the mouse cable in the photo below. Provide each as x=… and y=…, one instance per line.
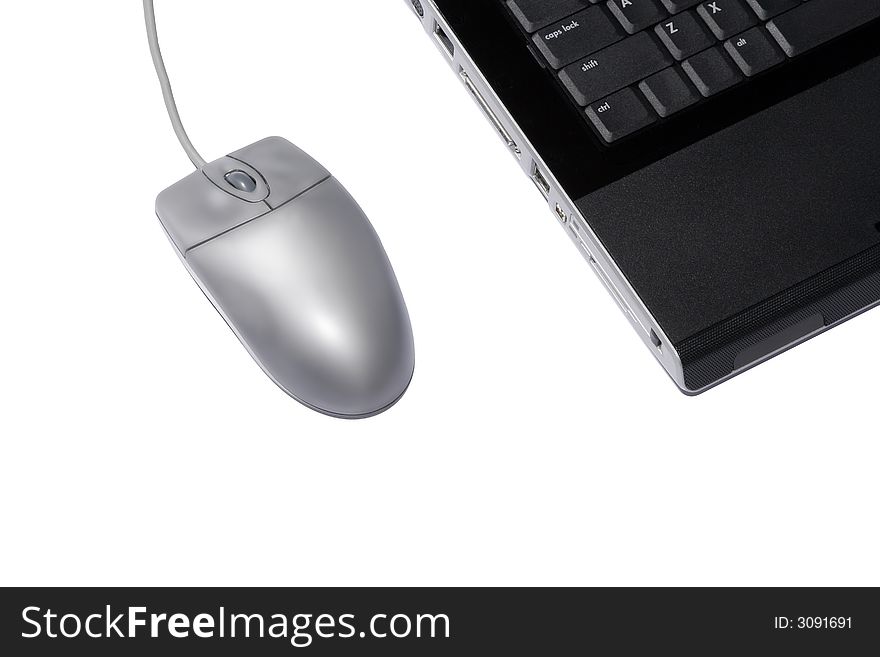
x=153, y=37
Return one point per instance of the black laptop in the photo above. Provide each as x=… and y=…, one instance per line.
x=717, y=163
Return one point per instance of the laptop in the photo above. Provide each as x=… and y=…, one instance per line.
x=716, y=163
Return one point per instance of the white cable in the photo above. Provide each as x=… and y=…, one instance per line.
x=153, y=37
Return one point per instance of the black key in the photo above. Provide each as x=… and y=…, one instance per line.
x=577, y=36
x=767, y=9
x=754, y=51
x=684, y=35
x=727, y=17
x=675, y=6
x=535, y=14
x=636, y=15
x=620, y=65
x=620, y=114
x=711, y=71
x=669, y=91
x=819, y=21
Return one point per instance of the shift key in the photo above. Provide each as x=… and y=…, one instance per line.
x=618, y=66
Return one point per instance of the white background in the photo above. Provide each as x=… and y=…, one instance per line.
x=540, y=442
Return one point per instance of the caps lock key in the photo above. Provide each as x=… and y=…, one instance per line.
x=577, y=36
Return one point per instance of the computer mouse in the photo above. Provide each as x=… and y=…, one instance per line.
x=294, y=266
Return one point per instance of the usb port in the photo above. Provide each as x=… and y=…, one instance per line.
x=493, y=118
x=540, y=181
x=444, y=40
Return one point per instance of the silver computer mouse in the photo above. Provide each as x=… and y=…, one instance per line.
x=295, y=268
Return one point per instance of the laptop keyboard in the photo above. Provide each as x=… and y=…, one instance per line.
x=632, y=63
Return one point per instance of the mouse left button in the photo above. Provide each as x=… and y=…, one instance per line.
x=195, y=210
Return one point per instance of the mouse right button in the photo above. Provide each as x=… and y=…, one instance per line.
x=288, y=170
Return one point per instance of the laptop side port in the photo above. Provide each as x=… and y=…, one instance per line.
x=656, y=341
x=493, y=118
x=563, y=216
x=444, y=40
x=540, y=181
x=576, y=231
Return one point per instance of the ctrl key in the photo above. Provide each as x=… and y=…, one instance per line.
x=619, y=115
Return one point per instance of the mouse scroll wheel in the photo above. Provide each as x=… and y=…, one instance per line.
x=241, y=181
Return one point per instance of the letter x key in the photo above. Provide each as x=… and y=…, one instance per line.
x=727, y=17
